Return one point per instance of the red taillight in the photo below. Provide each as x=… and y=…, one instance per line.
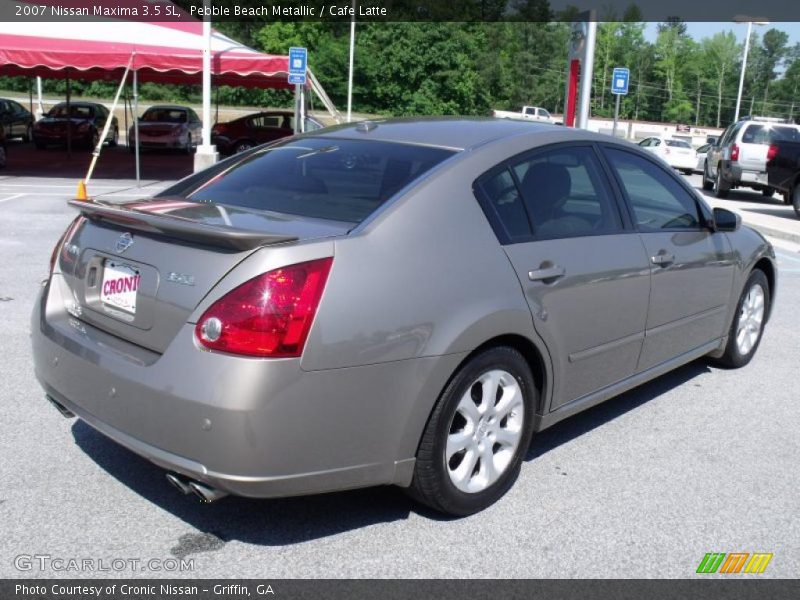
x=735, y=152
x=268, y=316
x=772, y=152
x=59, y=244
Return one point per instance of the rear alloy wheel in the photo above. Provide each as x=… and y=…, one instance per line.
x=748, y=324
x=721, y=187
x=708, y=184
x=767, y=192
x=243, y=146
x=480, y=429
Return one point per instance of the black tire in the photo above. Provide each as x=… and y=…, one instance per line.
x=114, y=141
x=796, y=200
x=767, y=192
x=708, y=185
x=721, y=187
x=733, y=358
x=431, y=484
x=94, y=138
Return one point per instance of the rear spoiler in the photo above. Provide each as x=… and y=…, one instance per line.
x=176, y=227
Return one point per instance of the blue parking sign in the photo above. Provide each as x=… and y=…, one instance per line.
x=619, y=80
x=298, y=62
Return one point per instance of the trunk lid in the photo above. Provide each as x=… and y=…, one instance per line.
x=138, y=270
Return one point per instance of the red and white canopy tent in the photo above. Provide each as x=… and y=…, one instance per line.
x=164, y=52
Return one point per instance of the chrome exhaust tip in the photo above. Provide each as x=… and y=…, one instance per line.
x=179, y=483
x=205, y=493
x=65, y=412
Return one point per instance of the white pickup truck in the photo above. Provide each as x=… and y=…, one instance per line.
x=528, y=113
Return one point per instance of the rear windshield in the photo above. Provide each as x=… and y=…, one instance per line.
x=766, y=134
x=339, y=180
x=678, y=144
x=163, y=115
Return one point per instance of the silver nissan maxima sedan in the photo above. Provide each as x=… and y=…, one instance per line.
x=397, y=302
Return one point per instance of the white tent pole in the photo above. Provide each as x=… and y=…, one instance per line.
x=40, y=110
x=137, y=145
x=107, y=126
x=207, y=78
x=206, y=154
x=350, y=75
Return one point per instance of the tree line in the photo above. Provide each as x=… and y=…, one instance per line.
x=471, y=68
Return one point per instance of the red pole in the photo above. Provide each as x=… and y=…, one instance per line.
x=572, y=92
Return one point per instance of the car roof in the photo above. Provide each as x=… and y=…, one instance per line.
x=271, y=113
x=456, y=133
x=168, y=107
x=79, y=103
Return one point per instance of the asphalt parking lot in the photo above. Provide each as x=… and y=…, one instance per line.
x=700, y=460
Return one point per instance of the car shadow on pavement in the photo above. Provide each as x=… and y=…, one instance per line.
x=285, y=521
x=577, y=425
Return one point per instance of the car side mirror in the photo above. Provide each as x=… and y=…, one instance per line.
x=726, y=220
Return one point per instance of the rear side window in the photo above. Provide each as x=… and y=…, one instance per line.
x=505, y=202
x=554, y=193
x=340, y=180
x=658, y=201
x=677, y=144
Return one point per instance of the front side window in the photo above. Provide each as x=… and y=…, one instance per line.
x=658, y=201
x=325, y=178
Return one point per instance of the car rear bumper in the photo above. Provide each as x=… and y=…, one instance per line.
x=250, y=427
x=740, y=176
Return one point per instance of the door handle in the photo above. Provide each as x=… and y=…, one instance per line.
x=551, y=273
x=663, y=259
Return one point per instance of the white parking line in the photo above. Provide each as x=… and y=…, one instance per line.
x=12, y=197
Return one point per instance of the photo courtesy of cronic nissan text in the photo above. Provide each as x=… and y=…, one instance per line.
x=418, y=299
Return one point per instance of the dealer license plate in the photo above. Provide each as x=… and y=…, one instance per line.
x=120, y=286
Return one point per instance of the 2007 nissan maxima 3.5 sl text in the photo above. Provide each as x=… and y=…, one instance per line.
x=399, y=302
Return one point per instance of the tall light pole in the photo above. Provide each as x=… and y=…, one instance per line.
x=350, y=73
x=749, y=21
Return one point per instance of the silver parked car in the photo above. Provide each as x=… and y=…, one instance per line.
x=168, y=127
x=402, y=302
x=739, y=158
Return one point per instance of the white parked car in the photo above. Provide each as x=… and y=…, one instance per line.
x=678, y=154
x=528, y=113
x=700, y=154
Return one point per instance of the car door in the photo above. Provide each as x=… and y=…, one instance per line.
x=583, y=273
x=692, y=267
x=6, y=118
x=21, y=118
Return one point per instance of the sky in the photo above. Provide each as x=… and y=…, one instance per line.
x=698, y=31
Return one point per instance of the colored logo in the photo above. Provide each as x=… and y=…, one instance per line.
x=734, y=562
